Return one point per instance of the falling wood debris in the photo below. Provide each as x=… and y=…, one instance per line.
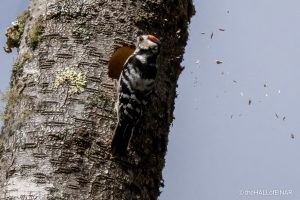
x=292, y=136
x=219, y=62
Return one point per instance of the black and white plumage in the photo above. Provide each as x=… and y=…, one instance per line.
x=135, y=86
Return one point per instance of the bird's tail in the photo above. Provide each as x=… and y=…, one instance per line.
x=121, y=139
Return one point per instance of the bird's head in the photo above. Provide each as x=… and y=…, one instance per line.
x=148, y=43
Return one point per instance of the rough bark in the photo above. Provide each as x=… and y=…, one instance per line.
x=60, y=114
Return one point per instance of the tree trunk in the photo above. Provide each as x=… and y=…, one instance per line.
x=60, y=115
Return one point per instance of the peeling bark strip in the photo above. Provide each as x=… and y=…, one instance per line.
x=56, y=143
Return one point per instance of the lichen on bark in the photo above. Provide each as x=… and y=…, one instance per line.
x=75, y=80
x=19, y=62
x=15, y=31
x=35, y=32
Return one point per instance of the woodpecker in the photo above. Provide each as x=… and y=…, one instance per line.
x=135, y=86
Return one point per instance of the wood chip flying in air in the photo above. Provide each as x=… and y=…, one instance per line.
x=276, y=115
x=249, y=102
x=211, y=35
x=292, y=136
x=283, y=118
x=219, y=61
x=228, y=11
x=265, y=85
x=202, y=33
x=234, y=81
x=221, y=29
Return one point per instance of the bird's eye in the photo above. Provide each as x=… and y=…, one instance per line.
x=141, y=38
